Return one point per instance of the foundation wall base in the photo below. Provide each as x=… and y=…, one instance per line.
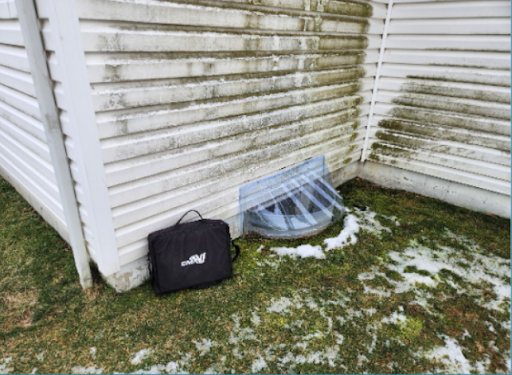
x=458, y=194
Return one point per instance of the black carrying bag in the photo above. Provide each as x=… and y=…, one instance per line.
x=191, y=255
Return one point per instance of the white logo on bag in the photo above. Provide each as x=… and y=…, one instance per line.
x=194, y=259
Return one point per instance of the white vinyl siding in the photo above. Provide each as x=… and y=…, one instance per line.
x=25, y=159
x=443, y=99
x=194, y=100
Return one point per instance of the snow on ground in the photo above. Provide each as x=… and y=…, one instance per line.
x=86, y=370
x=347, y=236
x=353, y=223
x=140, y=356
x=259, y=364
x=204, y=346
x=303, y=251
x=452, y=357
x=4, y=369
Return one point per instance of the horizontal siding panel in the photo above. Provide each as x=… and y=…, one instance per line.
x=445, y=173
x=116, y=38
x=480, y=123
x=10, y=32
x=42, y=166
x=130, y=67
x=458, y=105
x=8, y=10
x=25, y=122
x=14, y=57
x=489, y=162
x=36, y=193
x=217, y=17
x=498, y=146
x=19, y=162
x=486, y=60
x=17, y=80
x=449, y=42
x=20, y=101
x=437, y=158
x=484, y=26
x=459, y=9
x=492, y=77
x=347, y=8
x=31, y=143
x=451, y=89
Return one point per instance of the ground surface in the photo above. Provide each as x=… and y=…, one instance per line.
x=425, y=288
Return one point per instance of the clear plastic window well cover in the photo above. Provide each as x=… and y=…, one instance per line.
x=296, y=202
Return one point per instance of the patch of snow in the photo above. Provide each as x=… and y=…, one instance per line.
x=283, y=305
x=368, y=222
x=380, y=292
x=347, y=236
x=258, y=365
x=258, y=250
x=302, y=345
x=3, y=366
x=204, y=346
x=93, y=352
x=392, y=218
x=40, y=356
x=240, y=334
x=140, y=356
x=452, y=357
x=87, y=370
x=394, y=318
x=481, y=366
x=155, y=369
x=303, y=251
x=313, y=336
x=34, y=370
x=361, y=359
x=255, y=319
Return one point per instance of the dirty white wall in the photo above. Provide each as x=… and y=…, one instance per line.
x=443, y=100
x=194, y=100
x=25, y=159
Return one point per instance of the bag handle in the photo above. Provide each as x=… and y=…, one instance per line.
x=185, y=214
x=237, y=248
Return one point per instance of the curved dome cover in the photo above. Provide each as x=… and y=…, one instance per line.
x=297, y=202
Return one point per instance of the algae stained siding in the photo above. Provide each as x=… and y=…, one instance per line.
x=443, y=100
x=25, y=159
x=195, y=98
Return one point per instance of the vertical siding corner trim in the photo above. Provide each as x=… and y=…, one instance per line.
x=52, y=128
x=376, y=81
x=69, y=50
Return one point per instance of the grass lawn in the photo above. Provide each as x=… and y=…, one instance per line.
x=426, y=288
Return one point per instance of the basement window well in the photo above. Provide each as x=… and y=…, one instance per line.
x=294, y=203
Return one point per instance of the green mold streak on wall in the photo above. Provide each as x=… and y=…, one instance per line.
x=434, y=109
